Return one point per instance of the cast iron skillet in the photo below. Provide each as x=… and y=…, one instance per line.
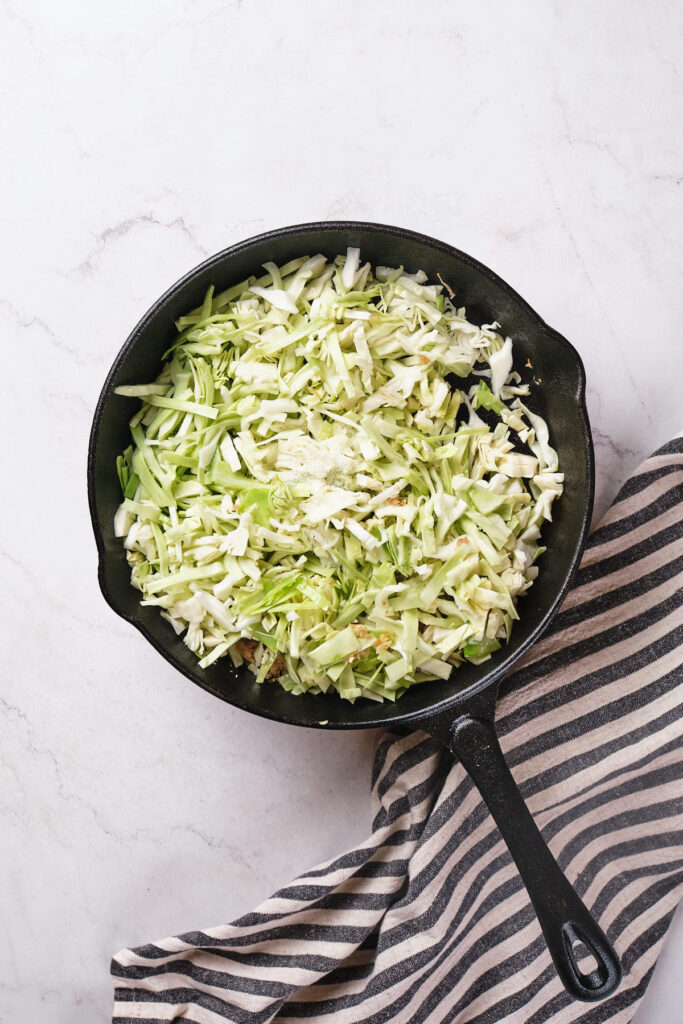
x=460, y=711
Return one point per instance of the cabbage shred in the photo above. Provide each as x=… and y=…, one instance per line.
x=335, y=477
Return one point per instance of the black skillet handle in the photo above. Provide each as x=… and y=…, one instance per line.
x=564, y=919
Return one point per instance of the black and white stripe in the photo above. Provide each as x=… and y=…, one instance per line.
x=428, y=921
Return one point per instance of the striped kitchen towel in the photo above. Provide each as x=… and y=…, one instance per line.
x=428, y=920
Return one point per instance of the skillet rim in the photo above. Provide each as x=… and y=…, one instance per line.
x=489, y=678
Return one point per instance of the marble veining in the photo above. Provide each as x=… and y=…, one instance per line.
x=543, y=138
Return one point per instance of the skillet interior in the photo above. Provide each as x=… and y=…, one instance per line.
x=559, y=398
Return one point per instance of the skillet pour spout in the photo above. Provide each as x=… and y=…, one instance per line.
x=460, y=710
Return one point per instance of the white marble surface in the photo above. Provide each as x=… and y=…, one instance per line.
x=544, y=138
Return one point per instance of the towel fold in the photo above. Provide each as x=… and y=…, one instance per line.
x=428, y=921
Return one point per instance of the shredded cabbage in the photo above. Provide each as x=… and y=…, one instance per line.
x=335, y=479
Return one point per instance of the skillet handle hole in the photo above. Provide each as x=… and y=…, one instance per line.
x=586, y=960
x=589, y=966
